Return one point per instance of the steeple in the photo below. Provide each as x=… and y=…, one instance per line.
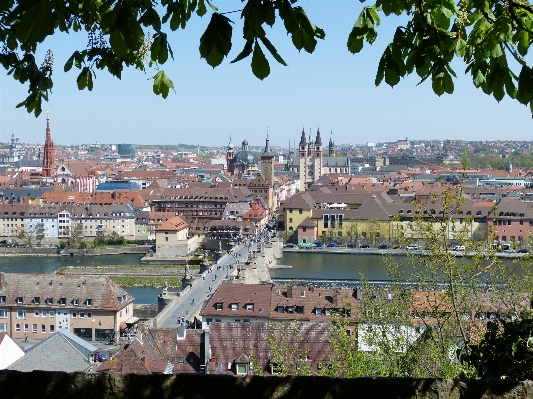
x=244, y=145
x=331, y=146
x=267, y=151
x=230, y=144
x=49, y=152
x=303, y=141
x=318, y=140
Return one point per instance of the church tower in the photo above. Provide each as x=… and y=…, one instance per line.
x=267, y=163
x=331, y=151
x=49, y=152
x=230, y=153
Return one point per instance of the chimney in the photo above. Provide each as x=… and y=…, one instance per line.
x=207, y=349
x=2, y=279
x=289, y=291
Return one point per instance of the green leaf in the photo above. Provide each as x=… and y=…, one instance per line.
x=162, y=84
x=437, y=85
x=108, y=21
x=260, y=65
x=202, y=9
x=523, y=43
x=83, y=79
x=496, y=50
x=272, y=50
x=215, y=43
x=460, y=47
x=118, y=43
x=246, y=51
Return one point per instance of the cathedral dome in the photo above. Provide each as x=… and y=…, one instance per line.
x=245, y=158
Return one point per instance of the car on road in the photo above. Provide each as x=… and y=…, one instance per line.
x=459, y=248
x=383, y=246
x=364, y=246
x=332, y=244
x=523, y=251
x=318, y=244
x=509, y=251
x=351, y=245
x=412, y=247
x=290, y=245
x=99, y=357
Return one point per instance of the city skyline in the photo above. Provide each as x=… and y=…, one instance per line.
x=330, y=89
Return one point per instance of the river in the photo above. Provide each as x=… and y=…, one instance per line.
x=304, y=266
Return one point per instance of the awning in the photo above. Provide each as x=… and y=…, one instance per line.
x=132, y=320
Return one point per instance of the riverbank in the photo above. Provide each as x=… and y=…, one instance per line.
x=56, y=251
x=390, y=251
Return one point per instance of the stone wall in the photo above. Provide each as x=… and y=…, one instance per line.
x=49, y=385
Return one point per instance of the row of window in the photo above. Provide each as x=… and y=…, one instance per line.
x=49, y=301
x=331, y=220
x=51, y=328
x=235, y=306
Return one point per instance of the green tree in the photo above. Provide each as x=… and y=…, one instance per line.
x=39, y=232
x=134, y=34
x=438, y=305
x=76, y=234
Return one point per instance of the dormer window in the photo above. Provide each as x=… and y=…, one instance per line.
x=49, y=301
x=250, y=306
x=62, y=301
x=280, y=309
x=89, y=302
x=36, y=300
x=303, y=293
x=120, y=299
x=234, y=306
x=19, y=299
x=76, y=302
x=218, y=306
x=2, y=299
x=290, y=309
x=318, y=310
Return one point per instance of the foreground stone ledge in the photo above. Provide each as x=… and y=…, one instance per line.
x=51, y=385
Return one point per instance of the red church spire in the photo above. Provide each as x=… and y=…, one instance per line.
x=49, y=152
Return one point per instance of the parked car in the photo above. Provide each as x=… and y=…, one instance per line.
x=99, y=357
x=364, y=246
x=291, y=245
x=523, y=251
x=318, y=244
x=459, y=248
x=383, y=246
x=509, y=251
x=351, y=245
x=412, y=247
x=332, y=245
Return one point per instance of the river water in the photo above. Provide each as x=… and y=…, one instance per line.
x=305, y=265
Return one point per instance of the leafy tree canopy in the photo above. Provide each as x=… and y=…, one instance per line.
x=491, y=37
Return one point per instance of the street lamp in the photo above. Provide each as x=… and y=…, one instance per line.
x=93, y=335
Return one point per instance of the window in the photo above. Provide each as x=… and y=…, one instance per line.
x=182, y=359
x=3, y=313
x=34, y=328
x=26, y=328
x=242, y=368
x=219, y=366
x=325, y=219
x=82, y=315
x=290, y=309
x=19, y=299
x=43, y=328
x=89, y=315
x=17, y=327
x=2, y=299
x=74, y=315
x=37, y=300
x=234, y=306
x=218, y=306
x=76, y=302
x=49, y=301
x=21, y=314
x=50, y=313
x=318, y=310
x=3, y=327
x=89, y=302
x=280, y=309
x=250, y=306
x=36, y=313
x=52, y=328
x=62, y=301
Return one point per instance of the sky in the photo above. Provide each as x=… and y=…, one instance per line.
x=331, y=90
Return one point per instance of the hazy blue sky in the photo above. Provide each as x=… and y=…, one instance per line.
x=331, y=89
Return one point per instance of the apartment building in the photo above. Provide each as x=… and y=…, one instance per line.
x=38, y=305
